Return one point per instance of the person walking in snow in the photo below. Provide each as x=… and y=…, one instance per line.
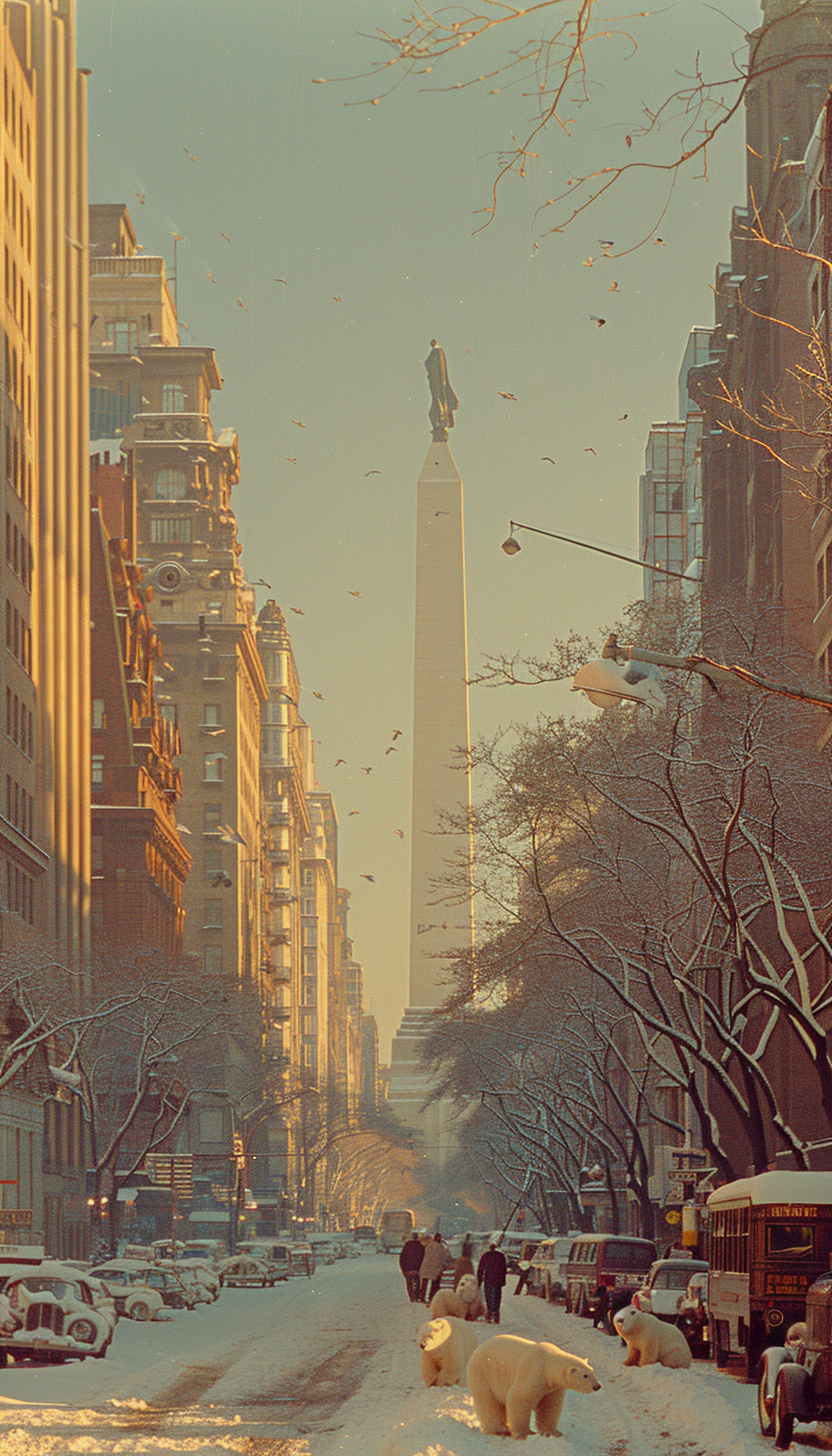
x=436, y=1258
x=491, y=1275
x=410, y=1260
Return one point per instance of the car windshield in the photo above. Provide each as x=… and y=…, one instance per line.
x=58, y=1287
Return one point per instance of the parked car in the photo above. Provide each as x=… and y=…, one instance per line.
x=665, y=1286
x=208, y=1250
x=276, y=1256
x=796, y=1378
x=203, y=1282
x=301, y=1259
x=243, y=1270
x=617, y=1261
x=692, y=1317
x=48, y=1311
x=548, y=1268
x=127, y=1277
x=365, y=1234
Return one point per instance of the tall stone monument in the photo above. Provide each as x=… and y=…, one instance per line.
x=441, y=780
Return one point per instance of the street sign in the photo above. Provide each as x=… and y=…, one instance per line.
x=672, y=1216
x=172, y=1170
x=15, y=1218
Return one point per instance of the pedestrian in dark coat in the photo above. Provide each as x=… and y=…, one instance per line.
x=601, y=1308
x=410, y=1262
x=491, y=1275
x=436, y=1258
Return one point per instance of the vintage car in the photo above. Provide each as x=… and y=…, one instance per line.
x=48, y=1312
x=796, y=1378
x=202, y=1281
x=547, y=1271
x=244, y=1270
x=665, y=1286
x=143, y=1291
x=275, y=1255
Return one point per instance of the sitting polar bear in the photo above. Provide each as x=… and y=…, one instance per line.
x=509, y=1378
x=462, y=1303
x=446, y=1345
x=651, y=1341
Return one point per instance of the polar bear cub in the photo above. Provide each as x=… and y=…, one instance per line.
x=446, y=1345
x=651, y=1341
x=463, y=1302
x=509, y=1378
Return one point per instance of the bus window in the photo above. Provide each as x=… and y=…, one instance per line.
x=790, y=1241
x=621, y=1255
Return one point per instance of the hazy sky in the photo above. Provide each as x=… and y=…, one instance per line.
x=378, y=205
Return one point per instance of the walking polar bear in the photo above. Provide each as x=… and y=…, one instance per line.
x=509, y=1378
x=651, y=1341
x=446, y=1345
x=462, y=1303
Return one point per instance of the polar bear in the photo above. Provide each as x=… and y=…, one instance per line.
x=446, y=1345
x=462, y=1303
x=509, y=1378
x=651, y=1341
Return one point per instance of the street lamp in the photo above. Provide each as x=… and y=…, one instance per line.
x=511, y=546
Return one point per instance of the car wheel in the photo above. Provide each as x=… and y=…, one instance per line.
x=783, y=1420
x=82, y=1330
x=140, y=1310
x=765, y=1407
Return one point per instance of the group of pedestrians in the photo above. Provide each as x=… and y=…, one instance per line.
x=424, y=1264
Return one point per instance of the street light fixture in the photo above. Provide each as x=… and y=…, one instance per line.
x=511, y=546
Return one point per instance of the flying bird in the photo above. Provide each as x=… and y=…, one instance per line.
x=623, y=417
x=659, y=243
x=441, y=513
x=371, y=878
x=291, y=459
x=340, y=760
x=595, y=319
x=336, y=298
x=189, y=154
x=397, y=733
x=353, y=594
x=261, y=582
x=503, y=393
x=242, y=305
x=372, y=472
x=212, y=278
x=588, y=450
x=628, y=140
x=298, y=611
x=549, y=458
x=353, y=811
x=606, y=243
x=299, y=422
x=142, y=196
x=589, y=262
x=319, y=696
x=366, y=770
x=400, y=833
x=225, y=235
x=391, y=749
x=613, y=288
x=281, y=280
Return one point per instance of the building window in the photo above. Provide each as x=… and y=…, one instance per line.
x=310, y=935
x=308, y=905
x=97, y=857
x=309, y=1024
x=307, y=877
x=212, y=960
x=308, y=1054
x=212, y=915
x=168, y=711
x=171, y=484
x=173, y=400
x=123, y=334
x=98, y=771
x=99, y=717
x=212, y=819
x=213, y=863
x=167, y=530
x=211, y=715
x=309, y=993
x=213, y=767
x=310, y=963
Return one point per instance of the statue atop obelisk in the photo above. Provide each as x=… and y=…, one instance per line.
x=441, y=741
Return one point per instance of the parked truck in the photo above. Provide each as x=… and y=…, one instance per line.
x=394, y=1230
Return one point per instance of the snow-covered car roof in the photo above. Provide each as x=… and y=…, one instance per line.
x=778, y=1187
x=47, y=1269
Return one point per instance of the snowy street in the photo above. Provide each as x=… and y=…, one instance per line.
x=329, y=1366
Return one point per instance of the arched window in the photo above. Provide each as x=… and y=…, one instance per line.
x=171, y=484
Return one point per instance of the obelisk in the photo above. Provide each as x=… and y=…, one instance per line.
x=440, y=860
